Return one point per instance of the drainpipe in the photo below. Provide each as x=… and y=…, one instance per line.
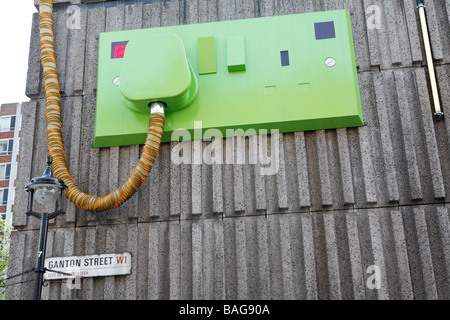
x=438, y=115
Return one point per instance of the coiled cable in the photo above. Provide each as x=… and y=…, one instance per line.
x=54, y=130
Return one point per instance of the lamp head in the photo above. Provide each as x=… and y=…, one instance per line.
x=47, y=188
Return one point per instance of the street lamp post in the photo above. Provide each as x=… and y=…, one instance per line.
x=45, y=190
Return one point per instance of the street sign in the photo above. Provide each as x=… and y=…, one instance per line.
x=88, y=266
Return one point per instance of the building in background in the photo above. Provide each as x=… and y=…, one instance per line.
x=10, y=120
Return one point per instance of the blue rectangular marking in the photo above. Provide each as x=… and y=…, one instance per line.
x=284, y=58
x=325, y=30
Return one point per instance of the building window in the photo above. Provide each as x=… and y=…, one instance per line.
x=6, y=147
x=7, y=123
x=5, y=171
x=3, y=197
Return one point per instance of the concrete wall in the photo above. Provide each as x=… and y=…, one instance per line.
x=342, y=201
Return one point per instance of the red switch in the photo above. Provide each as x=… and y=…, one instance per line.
x=118, y=49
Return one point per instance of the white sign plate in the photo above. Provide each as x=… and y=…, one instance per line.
x=88, y=266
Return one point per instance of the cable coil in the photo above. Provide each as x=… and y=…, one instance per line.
x=54, y=130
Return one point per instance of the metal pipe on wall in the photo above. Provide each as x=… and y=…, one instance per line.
x=438, y=114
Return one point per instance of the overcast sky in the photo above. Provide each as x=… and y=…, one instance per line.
x=15, y=28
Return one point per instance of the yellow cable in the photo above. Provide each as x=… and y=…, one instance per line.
x=54, y=130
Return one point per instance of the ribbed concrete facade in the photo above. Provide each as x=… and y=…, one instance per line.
x=342, y=201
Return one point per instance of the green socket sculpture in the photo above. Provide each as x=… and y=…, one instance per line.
x=290, y=73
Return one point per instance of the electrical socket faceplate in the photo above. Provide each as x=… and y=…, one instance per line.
x=291, y=73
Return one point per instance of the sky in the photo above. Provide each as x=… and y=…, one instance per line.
x=15, y=29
